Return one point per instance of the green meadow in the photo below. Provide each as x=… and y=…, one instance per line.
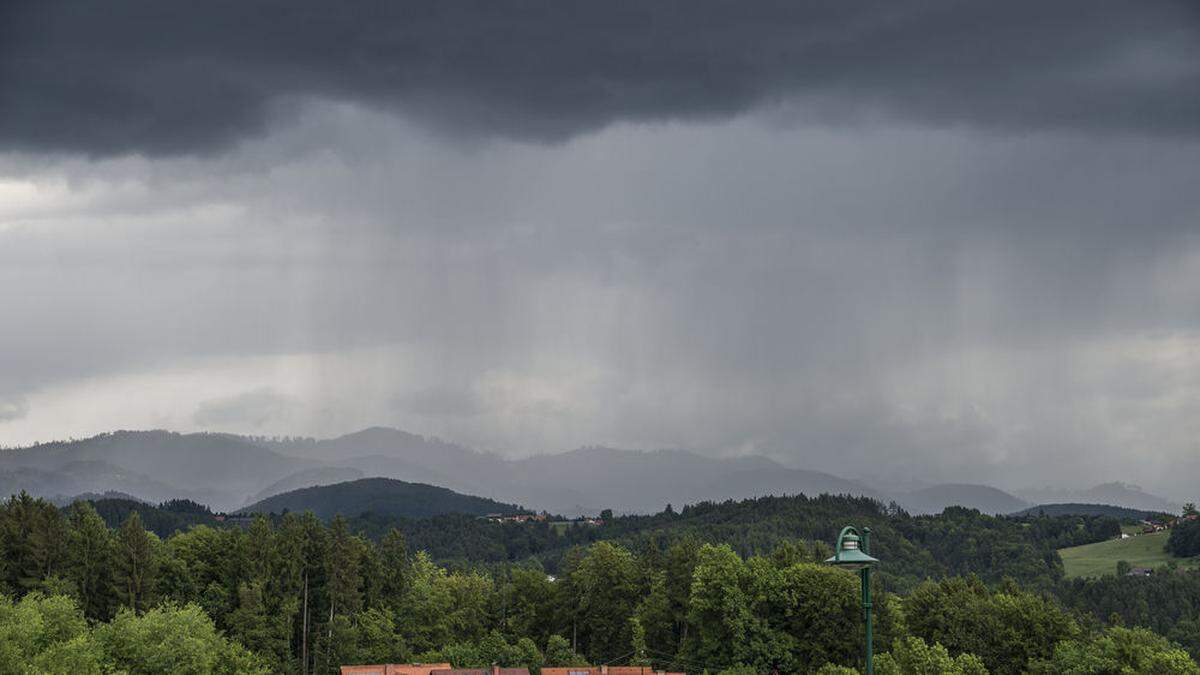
x=1143, y=550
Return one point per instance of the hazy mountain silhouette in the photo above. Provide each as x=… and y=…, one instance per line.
x=585, y=480
x=320, y=475
x=226, y=472
x=214, y=469
x=427, y=453
x=936, y=498
x=1114, y=494
x=628, y=480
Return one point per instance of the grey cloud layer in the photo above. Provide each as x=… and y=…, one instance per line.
x=949, y=240
x=926, y=303
x=252, y=409
x=165, y=78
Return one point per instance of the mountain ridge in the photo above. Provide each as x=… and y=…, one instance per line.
x=985, y=498
x=1115, y=493
x=217, y=469
x=228, y=472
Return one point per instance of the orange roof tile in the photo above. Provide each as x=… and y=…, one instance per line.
x=395, y=669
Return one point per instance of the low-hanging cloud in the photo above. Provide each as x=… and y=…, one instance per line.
x=169, y=78
x=253, y=409
x=13, y=408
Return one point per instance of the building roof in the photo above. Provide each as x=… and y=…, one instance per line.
x=494, y=670
x=396, y=669
x=606, y=670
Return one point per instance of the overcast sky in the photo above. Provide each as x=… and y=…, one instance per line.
x=938, y=239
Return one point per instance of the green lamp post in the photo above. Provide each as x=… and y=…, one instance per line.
x=852, y=554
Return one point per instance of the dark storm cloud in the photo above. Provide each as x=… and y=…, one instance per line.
x=176, y=78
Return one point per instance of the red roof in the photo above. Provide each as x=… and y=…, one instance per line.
x=494, y=670
x=395, y=669
x=606, y=670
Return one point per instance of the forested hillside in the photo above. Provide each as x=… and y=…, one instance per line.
x=163, y=519
x=297, y=594
x=383, y=496
x=1119, y=512
x=958, y=541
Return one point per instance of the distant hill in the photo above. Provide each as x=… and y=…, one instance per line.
x=419, y=453
x=321, y=475
x=97, y=496
x=936, y=498
x=586, y=480
x=162, y=519
x=392, y=453
x=1054, y=510
x=382, y=496
x=228, y=472
x=1116, y=494
x=215, y=469
x=64, y=483
x=629, y=481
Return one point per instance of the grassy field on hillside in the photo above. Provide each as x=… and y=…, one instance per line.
x=1093, y=560
x=561, y=526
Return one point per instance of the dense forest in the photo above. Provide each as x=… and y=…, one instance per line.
x=1185, y=538
x=1120, y=512
x=384, y=496
x=958, y=541
x=737, y=587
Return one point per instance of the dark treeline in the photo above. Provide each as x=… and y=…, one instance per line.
x=1184, y=540
x=957, y=542
x=735, y=587
x=168, y=517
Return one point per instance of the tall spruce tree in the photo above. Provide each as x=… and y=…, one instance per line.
x=33, y=538
x=393, y=554
x=136, y=566
x=90, y=561
x=345, y=596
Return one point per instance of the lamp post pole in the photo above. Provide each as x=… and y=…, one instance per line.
x=853, y=553
x=866, y=595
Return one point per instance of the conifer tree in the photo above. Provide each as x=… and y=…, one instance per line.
x=393, y=554
x=90, y=564
x=344, y=562
x=256, y=626
x=136, y=567
x=33, y=541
